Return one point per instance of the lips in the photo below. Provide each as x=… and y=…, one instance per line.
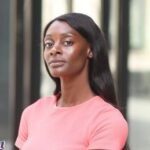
x=56, y=63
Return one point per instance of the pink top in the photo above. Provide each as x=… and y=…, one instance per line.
x=94, y=124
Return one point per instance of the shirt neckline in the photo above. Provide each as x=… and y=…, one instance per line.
x=83, y=104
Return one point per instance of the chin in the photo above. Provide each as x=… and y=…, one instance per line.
x=56, y=74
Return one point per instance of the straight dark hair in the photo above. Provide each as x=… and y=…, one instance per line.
x=100, y=78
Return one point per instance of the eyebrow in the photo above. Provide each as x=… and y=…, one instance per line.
x=67, y=34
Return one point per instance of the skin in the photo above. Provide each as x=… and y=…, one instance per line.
x=67, y=56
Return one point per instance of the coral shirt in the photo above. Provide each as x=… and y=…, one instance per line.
x=93, y=124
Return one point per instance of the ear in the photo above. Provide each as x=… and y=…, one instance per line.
x=89, y=53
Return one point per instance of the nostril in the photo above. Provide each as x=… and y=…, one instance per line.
x=51, y=54
x=55, y=51
x=58, y=52
x=56, y=48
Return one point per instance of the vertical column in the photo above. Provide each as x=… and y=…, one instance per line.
x=36, y=49
x=24, y=57
x=69, y=4
x=105, y=18
x=16, y=64
x=32, y=50
x=123, y=50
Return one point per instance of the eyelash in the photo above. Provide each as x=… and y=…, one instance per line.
x=50, y=44
x=68, y=43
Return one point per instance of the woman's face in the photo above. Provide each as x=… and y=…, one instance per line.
x=66, y=52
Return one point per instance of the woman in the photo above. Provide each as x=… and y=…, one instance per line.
x=82, y=114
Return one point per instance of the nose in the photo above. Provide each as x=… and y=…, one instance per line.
x=55, y=50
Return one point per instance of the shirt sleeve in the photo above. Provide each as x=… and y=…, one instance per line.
x=23, y=130
x=109, y=133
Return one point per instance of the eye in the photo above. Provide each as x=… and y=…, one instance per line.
x=48, y=44
x=68, y=43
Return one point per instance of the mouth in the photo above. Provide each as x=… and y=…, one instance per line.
x=56, y=63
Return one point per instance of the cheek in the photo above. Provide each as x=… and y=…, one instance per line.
x=45, y=56
x=78, y=60
x=78, y=56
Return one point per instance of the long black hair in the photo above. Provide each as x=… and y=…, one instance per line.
x=100, y=78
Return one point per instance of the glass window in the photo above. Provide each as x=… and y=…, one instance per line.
x=139, y=68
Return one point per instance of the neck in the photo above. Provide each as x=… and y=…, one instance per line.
x=74, y=91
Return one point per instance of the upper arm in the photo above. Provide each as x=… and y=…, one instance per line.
x=23, y=130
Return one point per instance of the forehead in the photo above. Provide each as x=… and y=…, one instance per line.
x=60, y=27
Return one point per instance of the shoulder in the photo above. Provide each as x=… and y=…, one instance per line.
x=107, y=114
x=105, y=109
x=108, y=126
x=39, y=105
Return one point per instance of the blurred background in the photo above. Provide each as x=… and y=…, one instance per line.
x=23, y=79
